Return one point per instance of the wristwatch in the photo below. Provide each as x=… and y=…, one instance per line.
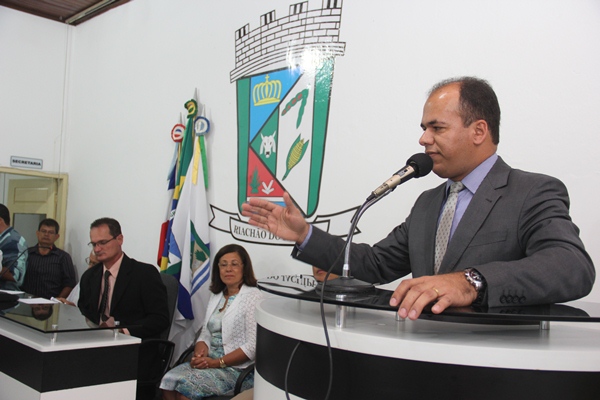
x=478, y=282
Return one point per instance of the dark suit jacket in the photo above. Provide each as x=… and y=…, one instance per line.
x=516, y=231
x=139, y=297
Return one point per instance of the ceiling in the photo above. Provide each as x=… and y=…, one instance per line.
x=71, y=12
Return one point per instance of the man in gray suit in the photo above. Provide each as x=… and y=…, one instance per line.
x=511, y=241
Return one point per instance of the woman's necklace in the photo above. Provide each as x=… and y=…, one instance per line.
x=227, y=295
x=224, y=304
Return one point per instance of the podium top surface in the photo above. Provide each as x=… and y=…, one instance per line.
x=306, y=287
x=49, y=318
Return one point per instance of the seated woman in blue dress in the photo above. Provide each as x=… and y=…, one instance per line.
x=227, y=342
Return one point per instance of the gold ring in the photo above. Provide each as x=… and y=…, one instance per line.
x=438, y=293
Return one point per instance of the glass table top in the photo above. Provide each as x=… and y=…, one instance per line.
x=48, y=318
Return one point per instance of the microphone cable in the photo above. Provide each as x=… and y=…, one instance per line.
x=326, y=332
x=287, y=370
x=422, y=165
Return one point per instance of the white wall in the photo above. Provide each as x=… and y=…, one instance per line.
x=132, y=69
x=33, y=56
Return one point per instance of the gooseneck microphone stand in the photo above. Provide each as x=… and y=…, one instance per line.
x=347, y=287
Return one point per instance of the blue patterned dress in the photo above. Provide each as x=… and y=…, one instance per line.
x=196, y=384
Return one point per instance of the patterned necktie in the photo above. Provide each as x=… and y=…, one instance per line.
x=104, y=301
x=443, y=232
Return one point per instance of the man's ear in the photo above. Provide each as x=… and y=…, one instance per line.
x=481, y=131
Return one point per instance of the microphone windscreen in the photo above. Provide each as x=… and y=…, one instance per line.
x=422, y=164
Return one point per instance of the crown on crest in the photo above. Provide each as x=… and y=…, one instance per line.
x=266, y=92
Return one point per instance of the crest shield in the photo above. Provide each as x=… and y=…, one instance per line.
x=282, y=126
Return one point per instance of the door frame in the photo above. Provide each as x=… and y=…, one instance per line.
x=62, y=183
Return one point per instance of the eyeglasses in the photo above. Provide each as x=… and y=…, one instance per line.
x=100, y=243
x=45, y=232
x=233, y=264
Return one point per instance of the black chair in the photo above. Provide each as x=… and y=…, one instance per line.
x=156, y=354
x=238, y=384
x=172, y=285
x=187, y=355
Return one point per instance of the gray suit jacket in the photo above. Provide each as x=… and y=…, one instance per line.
x=516, y=231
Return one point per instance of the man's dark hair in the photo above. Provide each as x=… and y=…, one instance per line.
x=50, y=223
x=114, y=228
x=216, y=284
x=477, y=101
x=5, y=214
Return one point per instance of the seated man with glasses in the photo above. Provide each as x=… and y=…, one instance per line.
x=120, y=288
x=50, y=271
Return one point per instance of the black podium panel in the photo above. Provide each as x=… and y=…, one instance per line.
x=47, y=371
x=364, y=376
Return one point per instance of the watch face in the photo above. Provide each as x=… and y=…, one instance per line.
x=474, y=278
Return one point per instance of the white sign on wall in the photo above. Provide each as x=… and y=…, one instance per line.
x=24, y=162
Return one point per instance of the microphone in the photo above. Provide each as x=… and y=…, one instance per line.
x=9, y=266
x=417, y=166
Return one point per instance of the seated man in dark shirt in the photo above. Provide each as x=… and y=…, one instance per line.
x=50, y=271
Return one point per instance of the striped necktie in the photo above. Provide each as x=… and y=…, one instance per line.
x=104, y=302
x=443, y=232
